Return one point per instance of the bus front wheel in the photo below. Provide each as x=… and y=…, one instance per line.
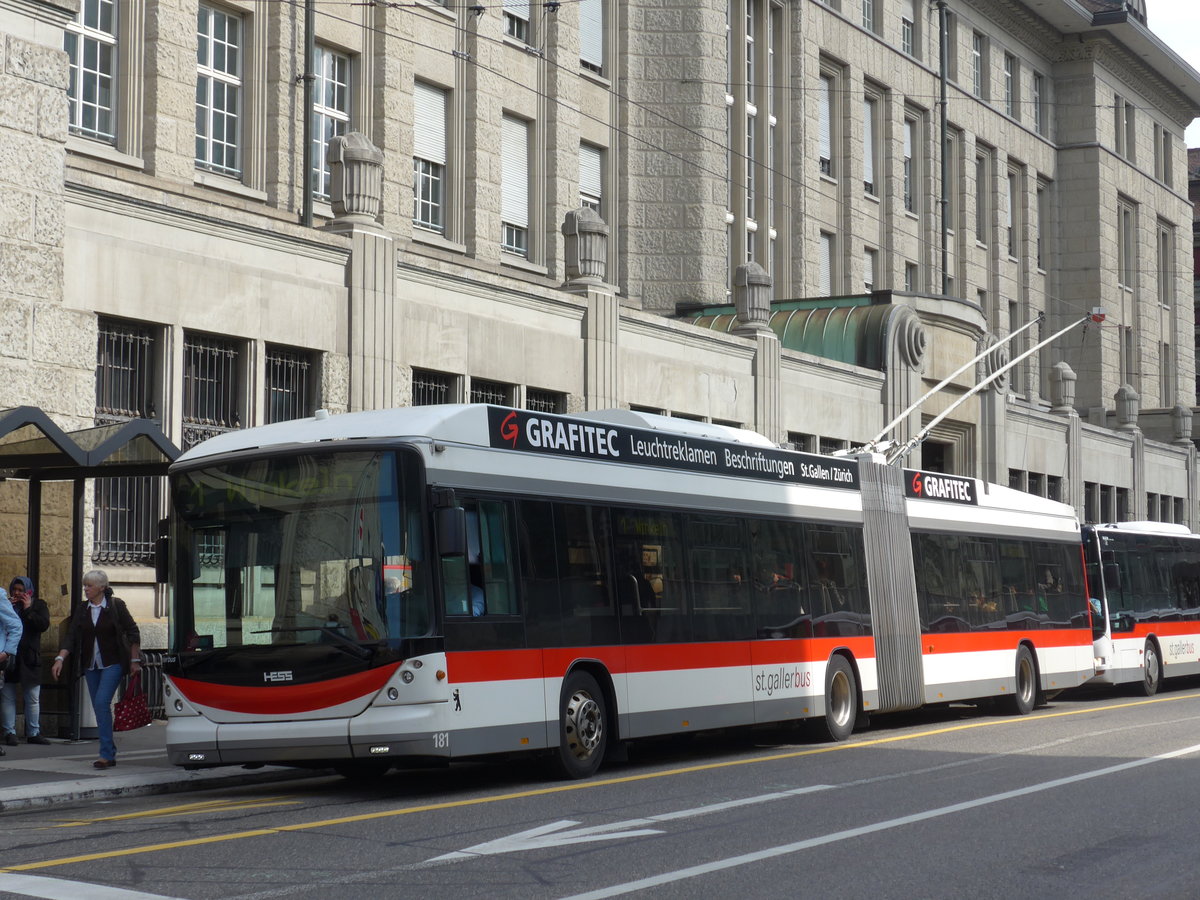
x=1021, y=701
x=582, y=727
x=1152, y=673
x=841, y=699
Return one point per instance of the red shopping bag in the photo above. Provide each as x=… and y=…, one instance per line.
x=131, y=710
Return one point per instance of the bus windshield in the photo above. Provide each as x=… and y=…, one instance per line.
x=316, y=555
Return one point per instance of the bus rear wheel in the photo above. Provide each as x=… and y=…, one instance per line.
x=582, y=727
x=841, y=700
x=1023, y=698
x=1152, y=673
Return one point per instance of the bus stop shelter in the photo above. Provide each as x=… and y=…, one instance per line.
x=35, y=450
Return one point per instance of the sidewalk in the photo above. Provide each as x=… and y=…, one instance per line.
x=33, y=776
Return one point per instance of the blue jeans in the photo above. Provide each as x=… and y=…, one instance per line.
x=8, y=707
x=102, y=685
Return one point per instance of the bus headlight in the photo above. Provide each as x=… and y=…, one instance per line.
x=393, y=694
x=407, y=676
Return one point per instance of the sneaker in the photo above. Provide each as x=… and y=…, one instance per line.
x=11, y=739
x=37, y=739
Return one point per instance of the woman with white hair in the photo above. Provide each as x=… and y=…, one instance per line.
x=107, y=640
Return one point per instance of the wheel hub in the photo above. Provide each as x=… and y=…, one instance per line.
x=584, y=724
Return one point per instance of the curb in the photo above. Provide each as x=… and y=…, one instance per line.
x=65, y=793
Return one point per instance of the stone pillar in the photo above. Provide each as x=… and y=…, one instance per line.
x=1128, y=407
x=1062, y=403
x=356, y=191
x=752, y=298
x=993, y=416
x=585, y=246
x=906, y=341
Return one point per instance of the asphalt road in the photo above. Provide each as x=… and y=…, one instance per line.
x=1094, y=796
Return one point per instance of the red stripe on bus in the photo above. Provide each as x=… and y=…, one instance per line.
x=1145, y=629
x=285, y=698
x=967, y=641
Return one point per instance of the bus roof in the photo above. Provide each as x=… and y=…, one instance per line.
x=1146, y=528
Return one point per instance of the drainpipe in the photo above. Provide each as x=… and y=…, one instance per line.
x=944, y=45
x=309, y=79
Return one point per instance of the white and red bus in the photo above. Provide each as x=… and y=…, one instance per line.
x=453, y=581
x=1146, y=577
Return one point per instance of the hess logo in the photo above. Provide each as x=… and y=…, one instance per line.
x=277, y=676
x=510, y=429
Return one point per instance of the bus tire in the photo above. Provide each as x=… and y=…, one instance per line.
x=582, y=727
x=1024, y=696
x=841, y=700
x=1152, y=672
x=363, y=771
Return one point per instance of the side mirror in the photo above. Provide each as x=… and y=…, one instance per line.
x=162, y=552
x=451, y=525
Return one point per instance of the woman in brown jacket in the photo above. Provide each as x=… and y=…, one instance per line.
x=107, y=640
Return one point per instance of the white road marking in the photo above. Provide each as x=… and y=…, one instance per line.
x=60, y=889
x=786, y=849
x=553, y=835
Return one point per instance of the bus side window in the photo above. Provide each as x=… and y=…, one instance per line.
x=495, y=573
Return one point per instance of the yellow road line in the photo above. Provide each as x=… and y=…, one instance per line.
x=574, y=786
x=199, y=807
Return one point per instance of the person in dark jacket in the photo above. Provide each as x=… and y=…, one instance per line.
x=26, y=676
x=107, y=640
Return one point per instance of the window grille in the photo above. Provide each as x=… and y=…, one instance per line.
x=288, y=381
x=211, y=387
x=543, y=401
x=489, y=392
x=429, y=388
x=126, y=509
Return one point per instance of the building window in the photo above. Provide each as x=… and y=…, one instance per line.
x=910, y=135
x=1010, y=86
x=429, y=158
x=1054, y=487
x=1162, y=155
x=545, y=401
x=516, y=20
x=514, y=186
x=870, y=144
x=1126, y=244
x=1124, y=134
x=912, y=280
x=868, y=15
x=126, y=508
x=1043, y=233
x=430, y=388
x=591, y=35
x=331, y=111
x=1166, y=264
x=90, y=43
x=211, y=388
x=1012, y=216
x=909, y=17
x=1166, y=375
x=1039, y=103
x=591, y=165
x=289, y=380
x=978, y=65
x=825, y=113
x=870, y=267
x=495, y=392
x=826, y=273
x=218, y=91
x=983, y=191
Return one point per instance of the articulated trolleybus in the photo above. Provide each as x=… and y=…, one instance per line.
x=1146, y=576
x=367, y=589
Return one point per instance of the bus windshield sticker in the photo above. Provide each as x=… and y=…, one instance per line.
x=514, y=429
x=936, y=486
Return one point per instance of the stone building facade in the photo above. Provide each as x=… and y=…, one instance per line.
x=750, y=164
